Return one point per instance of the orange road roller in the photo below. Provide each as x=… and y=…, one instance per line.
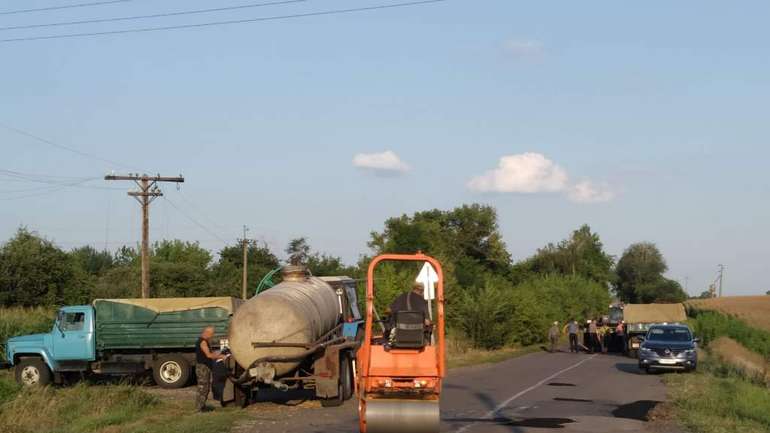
x=400, y=365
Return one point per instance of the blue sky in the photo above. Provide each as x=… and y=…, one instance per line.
x=659, y=107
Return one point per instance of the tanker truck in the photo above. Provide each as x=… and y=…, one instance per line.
x=302, y=333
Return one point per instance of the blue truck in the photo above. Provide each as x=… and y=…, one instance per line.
x=120, y=337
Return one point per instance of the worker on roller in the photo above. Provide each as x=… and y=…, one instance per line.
x=204, y=361
x=413, y=300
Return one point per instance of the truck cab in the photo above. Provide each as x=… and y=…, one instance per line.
x=39, y=358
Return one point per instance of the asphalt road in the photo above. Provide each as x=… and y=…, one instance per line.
x=533, y=393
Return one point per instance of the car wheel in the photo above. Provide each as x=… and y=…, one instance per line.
x=32, y=372
x=171, y=371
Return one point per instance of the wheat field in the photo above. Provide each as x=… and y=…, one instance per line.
x=754, y=310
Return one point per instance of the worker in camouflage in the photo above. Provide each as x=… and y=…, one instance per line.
x=204, y=359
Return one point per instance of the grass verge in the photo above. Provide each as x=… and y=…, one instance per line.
x=461, y=354
x=85, y=408
x=718, y=400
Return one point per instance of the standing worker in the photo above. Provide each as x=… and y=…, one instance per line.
x=572, y=331
x=620, y=336
x=204, y=360
x=593, y=336
x=553, y=335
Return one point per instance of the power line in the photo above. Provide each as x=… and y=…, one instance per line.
x=198, y=210
x=50, y=191
x=63, y=147
x=194, y=221
x=52, y=8
x=218, y=23
x=66, y=181
x=159, y=15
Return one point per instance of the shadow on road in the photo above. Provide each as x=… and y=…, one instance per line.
x=289, y=398
x=514, y=423
x=628, y=367
x=638, y=410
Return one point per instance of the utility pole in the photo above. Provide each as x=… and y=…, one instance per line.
x=721, y=278
x=148, y=191
x=245, y=263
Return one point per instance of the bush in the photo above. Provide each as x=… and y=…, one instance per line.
x=484, y=315
x=500, y=313
x=710, y=325
x=20, y=321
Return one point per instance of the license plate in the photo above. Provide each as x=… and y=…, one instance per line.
x=668, y=361
x=634, y=345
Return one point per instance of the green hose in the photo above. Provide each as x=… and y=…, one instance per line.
x=267, y=281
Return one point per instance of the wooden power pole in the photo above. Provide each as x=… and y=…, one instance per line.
x=721, y=278
x=148, y=191
x=245, y=279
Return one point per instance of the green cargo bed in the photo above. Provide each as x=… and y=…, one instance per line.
x=159, y=323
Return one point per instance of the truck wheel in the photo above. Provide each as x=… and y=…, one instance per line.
x=171, y=371
x=633, y=353
x=32, y=372
x=241, y=396
x=346, y=377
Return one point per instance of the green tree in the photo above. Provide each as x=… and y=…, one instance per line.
x=640, y=276
x=179, y=269
x=466, y=240
x=92, y=261
x=298, y=251
x=33, y=271
x=582, y=254
x=227, y=272
x=322, y=264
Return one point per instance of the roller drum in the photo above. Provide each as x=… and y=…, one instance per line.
x=402, y=416
x=295, y=311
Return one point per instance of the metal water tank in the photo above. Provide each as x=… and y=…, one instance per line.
x=300, y=309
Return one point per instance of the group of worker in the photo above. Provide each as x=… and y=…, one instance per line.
x=598, y=336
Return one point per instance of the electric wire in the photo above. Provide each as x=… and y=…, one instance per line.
x=52, y=8
x=193, y=220
x=63, y=147
x=158, y=15
x=226, y=22
x=51, y=180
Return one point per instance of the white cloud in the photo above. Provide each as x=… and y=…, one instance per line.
x=587, y=191
x=530, y=173
x=386, y=162
x=523, y=48
x=523, y=173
